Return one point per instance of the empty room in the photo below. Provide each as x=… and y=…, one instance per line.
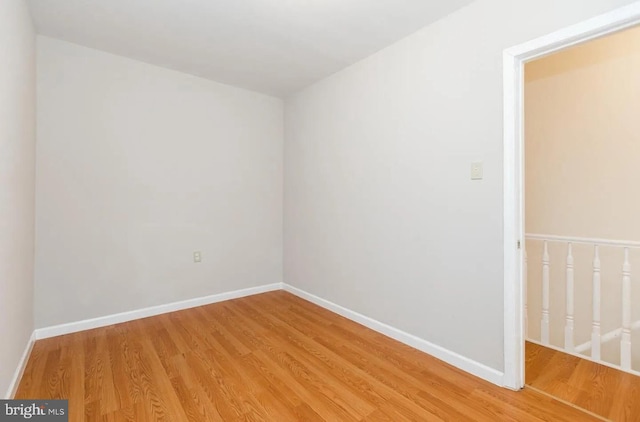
x=277, y=210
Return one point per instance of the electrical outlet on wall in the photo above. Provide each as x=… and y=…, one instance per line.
x=197, y=257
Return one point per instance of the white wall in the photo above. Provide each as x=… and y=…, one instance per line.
x=138, y=167
x=582, y=140
x=380, y=214
x=17, y=183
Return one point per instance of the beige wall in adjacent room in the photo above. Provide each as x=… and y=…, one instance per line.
x=583, y=140
x=17, y=183
x=582, y=169
x=140, y=166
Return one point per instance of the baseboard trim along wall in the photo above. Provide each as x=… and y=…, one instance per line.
x=17, y=376
x=468, y=365
x=464, y=363
x=88, y=324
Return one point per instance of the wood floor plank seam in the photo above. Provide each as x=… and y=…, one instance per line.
x=569, y=404
x=598, y=389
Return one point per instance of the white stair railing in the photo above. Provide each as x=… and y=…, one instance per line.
x=526, y=306
x=611, y=335
x=625, y=340
x=569, y=322
x=597, y=338
x=597, y=294
x=544, y=323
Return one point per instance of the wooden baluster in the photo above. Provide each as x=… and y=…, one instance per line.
x=525, y=277
x=569, y=323
x=595, y=328
x=625, y=339
x=544, y=323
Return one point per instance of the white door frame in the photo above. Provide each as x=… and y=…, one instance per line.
x=514, y=60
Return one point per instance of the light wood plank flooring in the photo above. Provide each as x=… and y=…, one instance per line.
x=269, y=357
x=612, y=394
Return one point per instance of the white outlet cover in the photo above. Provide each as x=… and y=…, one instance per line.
x=197, y=257
x=476, y=170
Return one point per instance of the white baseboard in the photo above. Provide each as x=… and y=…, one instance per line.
x=468, y=365
x=464, y=363
x=17, y=376
x=87, y=324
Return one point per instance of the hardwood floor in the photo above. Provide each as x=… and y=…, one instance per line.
x=612, y=394
x=269, y=357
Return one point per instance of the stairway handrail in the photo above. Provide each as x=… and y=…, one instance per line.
x=606, y=337
x=585, y=240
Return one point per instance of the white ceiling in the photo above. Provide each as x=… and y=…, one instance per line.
x=272, y=46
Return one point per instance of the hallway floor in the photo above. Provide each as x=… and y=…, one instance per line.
x=606, y=392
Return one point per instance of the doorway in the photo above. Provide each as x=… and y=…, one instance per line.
x=582, y=234
x=514, y=233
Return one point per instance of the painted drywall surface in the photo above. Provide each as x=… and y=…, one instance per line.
x=17, y=183
x=138, y=167
x=380, y=213
x=582, y=154
x=583, y=139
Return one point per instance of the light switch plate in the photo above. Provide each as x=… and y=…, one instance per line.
x=476, y=170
